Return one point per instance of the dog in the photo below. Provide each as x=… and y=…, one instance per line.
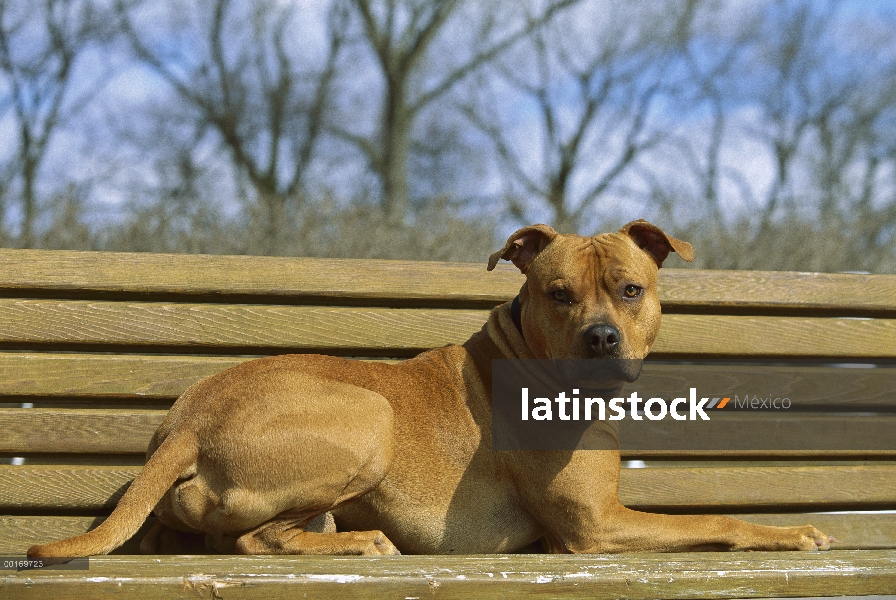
x=258, y=458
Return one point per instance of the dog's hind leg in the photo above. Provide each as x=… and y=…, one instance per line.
x=288, y=536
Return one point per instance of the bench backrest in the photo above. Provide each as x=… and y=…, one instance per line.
x=94, y=347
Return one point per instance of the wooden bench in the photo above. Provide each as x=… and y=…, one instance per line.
x=94, y=347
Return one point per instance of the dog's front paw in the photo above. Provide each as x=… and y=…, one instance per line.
x=375, y=543
x=802, y=537
x=806, y=537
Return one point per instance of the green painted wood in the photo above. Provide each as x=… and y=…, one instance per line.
x=693, y=575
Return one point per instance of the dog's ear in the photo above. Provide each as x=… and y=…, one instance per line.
x=523, y=246
x=656, y=242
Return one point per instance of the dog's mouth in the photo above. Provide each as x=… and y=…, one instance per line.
x=598, y=374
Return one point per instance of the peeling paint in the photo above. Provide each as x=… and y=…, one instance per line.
x=336, y=578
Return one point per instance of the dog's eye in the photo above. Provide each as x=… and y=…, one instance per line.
x=633, y=291
x=560, y=296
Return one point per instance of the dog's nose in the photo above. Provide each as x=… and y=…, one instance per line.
x=603, y=339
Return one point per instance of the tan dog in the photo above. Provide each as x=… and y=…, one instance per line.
x=401, y=454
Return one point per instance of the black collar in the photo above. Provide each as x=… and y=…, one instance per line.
x=516, y=314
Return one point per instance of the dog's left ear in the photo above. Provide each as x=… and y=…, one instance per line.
x=523, y=246
x=655, y=242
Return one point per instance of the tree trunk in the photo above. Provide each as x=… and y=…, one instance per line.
x=396, y=143
x=29, y=174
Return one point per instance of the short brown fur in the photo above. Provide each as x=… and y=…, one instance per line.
x=401, y=455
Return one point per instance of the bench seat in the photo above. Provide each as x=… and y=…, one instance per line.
x=95, y=347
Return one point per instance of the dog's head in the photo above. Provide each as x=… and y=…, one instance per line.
x=591, y=297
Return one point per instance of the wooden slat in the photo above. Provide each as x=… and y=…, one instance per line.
x=852, y=531
x=255, y=278
x=105, y=376
x=87, y=488
x=725, y=335
x=771, y=487
x=17, y=534
x=165, y=377
x=814, y=383
x=745, y=290
x=117, y=431
x=674, y=489
x=687, y=575
x=234, y=327
x=66, y=272
x=210, y=327
x=750, y=430
x=77, y=430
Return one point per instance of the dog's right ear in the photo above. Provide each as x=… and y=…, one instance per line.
x=523, y=246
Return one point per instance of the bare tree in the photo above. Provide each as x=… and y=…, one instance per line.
x=403, y=35
x=243, y=83
x=592, y=98
x=41, y=44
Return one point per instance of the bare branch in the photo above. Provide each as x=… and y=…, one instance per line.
x=489, y=54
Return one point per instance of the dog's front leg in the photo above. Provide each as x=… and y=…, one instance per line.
x=620, y=529
x=575, y=494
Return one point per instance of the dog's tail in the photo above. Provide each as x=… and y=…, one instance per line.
x=171, y=458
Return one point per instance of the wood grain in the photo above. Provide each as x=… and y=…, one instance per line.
x=668, y=489
x=398, y=332
x=17, y=534
x=263, y=279
x=852, y=531
x=38, y=430
x=165, y=377
x=751, y=290
x=122, y=431
x=687, y=575
x=253, y=278
x=812, y=384
x=727, y=335
x=234, y=328
x=104, y=375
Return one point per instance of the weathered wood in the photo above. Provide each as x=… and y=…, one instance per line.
x=852, y=531
x=18, y=533
x=669, y=489
x=726, y=335
x=234, y=328
x=164, y=377
x=768, y=487
x=216, y=311
x=396, y=332
x=117, y=431
x=694, y=575
x=255, y=279
x=148, y=377
x=77, y=430
x=68, y=274
x=748, y=430
x=63, y=487
x=744, y=291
